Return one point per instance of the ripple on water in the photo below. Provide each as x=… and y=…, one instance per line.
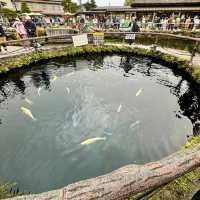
x=144, y=111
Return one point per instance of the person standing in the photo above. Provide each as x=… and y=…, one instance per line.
x=31, y=30
x=20, y=29
x=21, y=32
x=196, y=23
x=2, y=38
x=187, y=23
x=30, y=27
x=133, y=28
x=133, y=25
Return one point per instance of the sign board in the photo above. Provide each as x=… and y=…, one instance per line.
x=2, y=40
x=80, y=40
x=130, y=37
x=98, y=38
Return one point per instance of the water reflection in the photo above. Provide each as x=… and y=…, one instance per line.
x=13, y=84
x=82, y=103
x=41, y=79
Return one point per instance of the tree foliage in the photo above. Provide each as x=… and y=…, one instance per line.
x=69, y=6
x=8, y=13
x=90, y=5
x=128, y=2
x=5, y=190
x=25, y=8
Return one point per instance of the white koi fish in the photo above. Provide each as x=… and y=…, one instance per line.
x=27, y=112
x=39, y=89
x=70, y=74
x=93, y=140
x=134, y=124
x=55, y=78
x=28, y=101
x=68, y=90
x=139, y=92
x=119, y=108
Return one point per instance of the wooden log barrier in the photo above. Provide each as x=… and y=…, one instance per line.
x=129, y=180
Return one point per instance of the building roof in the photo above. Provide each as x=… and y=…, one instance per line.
x=165, y=2
x=172, y=8
x=42, y=1
x=113, y=8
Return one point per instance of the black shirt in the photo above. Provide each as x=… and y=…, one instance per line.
x=134, y=27
x=2, y=32
x=30, y=28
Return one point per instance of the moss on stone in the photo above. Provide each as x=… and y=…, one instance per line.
x=36, y=56
x=184, y=187
x=181, y=187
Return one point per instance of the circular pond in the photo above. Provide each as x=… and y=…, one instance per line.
x=67, y=120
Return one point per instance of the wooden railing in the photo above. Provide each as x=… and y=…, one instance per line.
x=67, y=38
x=110, y=33
x=127, y=181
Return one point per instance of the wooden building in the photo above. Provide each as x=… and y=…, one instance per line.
x=140, y=7
x=46, y=7
x=167, y=6
x=109, y=11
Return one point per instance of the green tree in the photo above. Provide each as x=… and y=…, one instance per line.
x=87, y=6
x=10, y=14
x=69, y=6
x=128, y=2
x=90, y=5
x=25, y=8
x=93, y=4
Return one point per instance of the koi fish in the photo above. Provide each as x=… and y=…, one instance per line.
x=70, y=74
x=139, y=92
x=119, y=108
x=27, y=112
x=55, y=78
x=68, y=90
x=134, y=124
x=39, y=89
x=93, y=140
x=28, y=101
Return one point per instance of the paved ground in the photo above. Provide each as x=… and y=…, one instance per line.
x=175, y=52
x=18, y=50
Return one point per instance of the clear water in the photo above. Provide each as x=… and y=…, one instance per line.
x=91, y=97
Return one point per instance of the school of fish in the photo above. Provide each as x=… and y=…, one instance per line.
x=28, y=113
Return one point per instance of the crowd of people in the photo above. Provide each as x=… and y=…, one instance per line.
x=173, y=22
x=25, y=26
x=148, y=22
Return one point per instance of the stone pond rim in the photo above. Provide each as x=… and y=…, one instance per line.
x=34, y=57
x=23, y=60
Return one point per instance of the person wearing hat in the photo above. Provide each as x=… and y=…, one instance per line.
x=30, y=27
x=2, y=38
x=20, y=29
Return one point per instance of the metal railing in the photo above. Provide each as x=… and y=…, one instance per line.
x=67, y=38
